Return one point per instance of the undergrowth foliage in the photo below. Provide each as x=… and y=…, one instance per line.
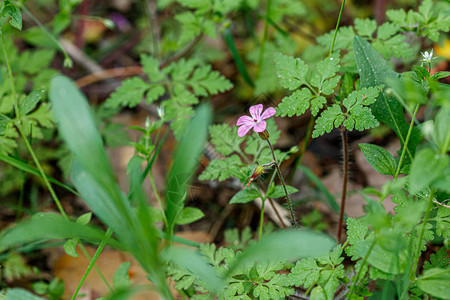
x=352, y=86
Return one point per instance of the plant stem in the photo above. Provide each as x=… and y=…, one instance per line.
x=337, y=27
x=344, y=184
x=67, y=60
x=263, y=42
x=425, y=221
x=92, y=262
x=11, y=78
x=305, y=143
x=263, y=200
x=280, y=175
x=30, y=149
x=405, y=145
x=362, y=266
x=158, y=197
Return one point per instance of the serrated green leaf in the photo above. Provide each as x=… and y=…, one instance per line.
x=291, y=71
x=436, y=282
x=189, y=215
x=437, y=260
x=365, y=27
x=225, y=138
x=329, y=119
x=443, y=222
x=150, y=66
x=381, y=160
x=278, y=191
x=206, y=82
x=42, y=115
x=245, y=196
x=387, y=30
x=222, y=169
x=295, y=104
x=130, y=93
x=374, y=71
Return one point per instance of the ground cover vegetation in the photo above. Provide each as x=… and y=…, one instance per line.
x=235, y=95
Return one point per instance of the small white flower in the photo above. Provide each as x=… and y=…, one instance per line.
x=428, y=57
x=160, y=111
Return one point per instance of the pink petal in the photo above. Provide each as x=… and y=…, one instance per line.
x=260, y=127
x=244, y=129
x=244, y=120
x=255, y=111
x=270, y=111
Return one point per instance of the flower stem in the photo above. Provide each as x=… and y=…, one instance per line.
x=337, y=27
x=344, y=184
x=405, y=144
x=288, y=199
x=263, y=201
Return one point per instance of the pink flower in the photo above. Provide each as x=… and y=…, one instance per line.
x=256, y=121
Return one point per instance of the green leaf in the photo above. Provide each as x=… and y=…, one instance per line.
x=387, y=30
x=365, y=27
x=291, y=71
x=185, y=162
x=84, y=219
x=15, y=14
x=20, y=294
x=441, y=130
x=189, y=215
x=121, y=277
x=439, y=75
x=44, y=226
x=374, y=71
x=381, y=160
x=437, y=260
x=435, y=282
x=205, y=82
x=278, y=191
x=329, y=119
x=30, y=101
x=197, y=265
x=222, y=169
x=245, y=196
x=224, y=138
x=296, y=244
x=130, y=93
x=150, y=66
x=426, y=167
x=70, y=247
x=296, y=104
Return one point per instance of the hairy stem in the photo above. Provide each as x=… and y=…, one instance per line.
x=405, y=145
x=344, y=184
x=337, y=27
x=280, y=175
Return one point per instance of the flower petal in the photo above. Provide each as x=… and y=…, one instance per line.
x=245, y=120
x=260, y=127
x=255, y=111
x=270, y=111
x=244, y=129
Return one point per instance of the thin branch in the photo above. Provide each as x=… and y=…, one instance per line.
x=344, y=184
